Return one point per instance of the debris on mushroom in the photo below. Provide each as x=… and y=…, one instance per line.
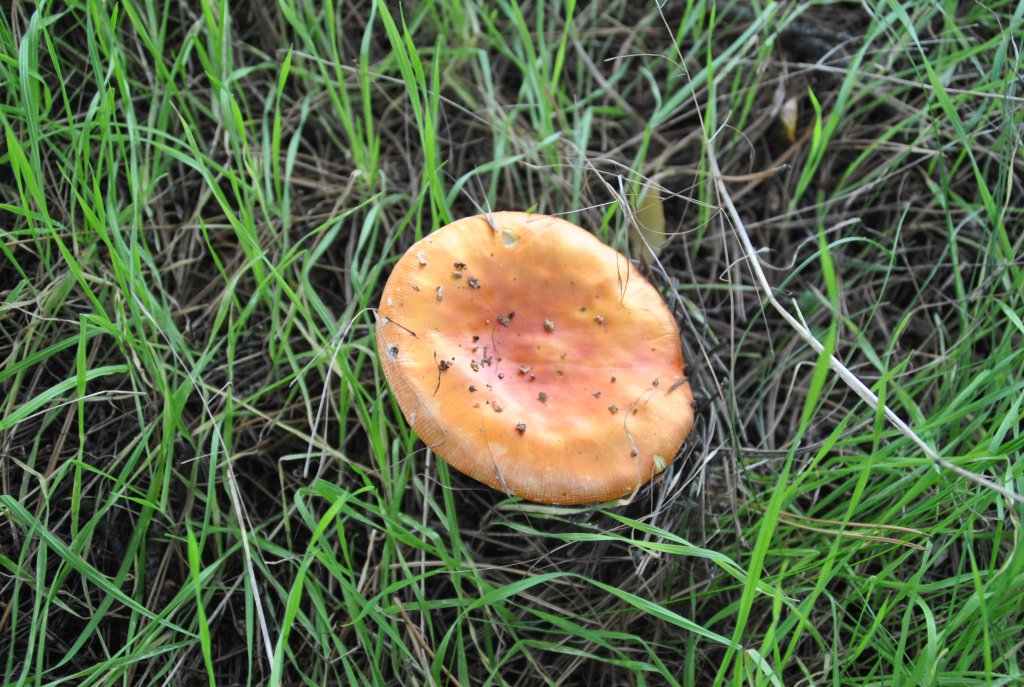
x=536, y=269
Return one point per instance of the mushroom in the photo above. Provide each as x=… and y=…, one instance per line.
x=545, y=270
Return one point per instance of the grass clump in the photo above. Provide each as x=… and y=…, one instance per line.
x=203, y=477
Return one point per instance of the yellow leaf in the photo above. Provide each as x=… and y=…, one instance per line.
x=787, y=117
x=648, y=226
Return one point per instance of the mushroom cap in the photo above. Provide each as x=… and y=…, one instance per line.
x=534, y=358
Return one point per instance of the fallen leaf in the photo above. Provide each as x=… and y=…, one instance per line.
x=648, y=226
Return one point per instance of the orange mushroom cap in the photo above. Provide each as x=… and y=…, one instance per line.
x=535, y=359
